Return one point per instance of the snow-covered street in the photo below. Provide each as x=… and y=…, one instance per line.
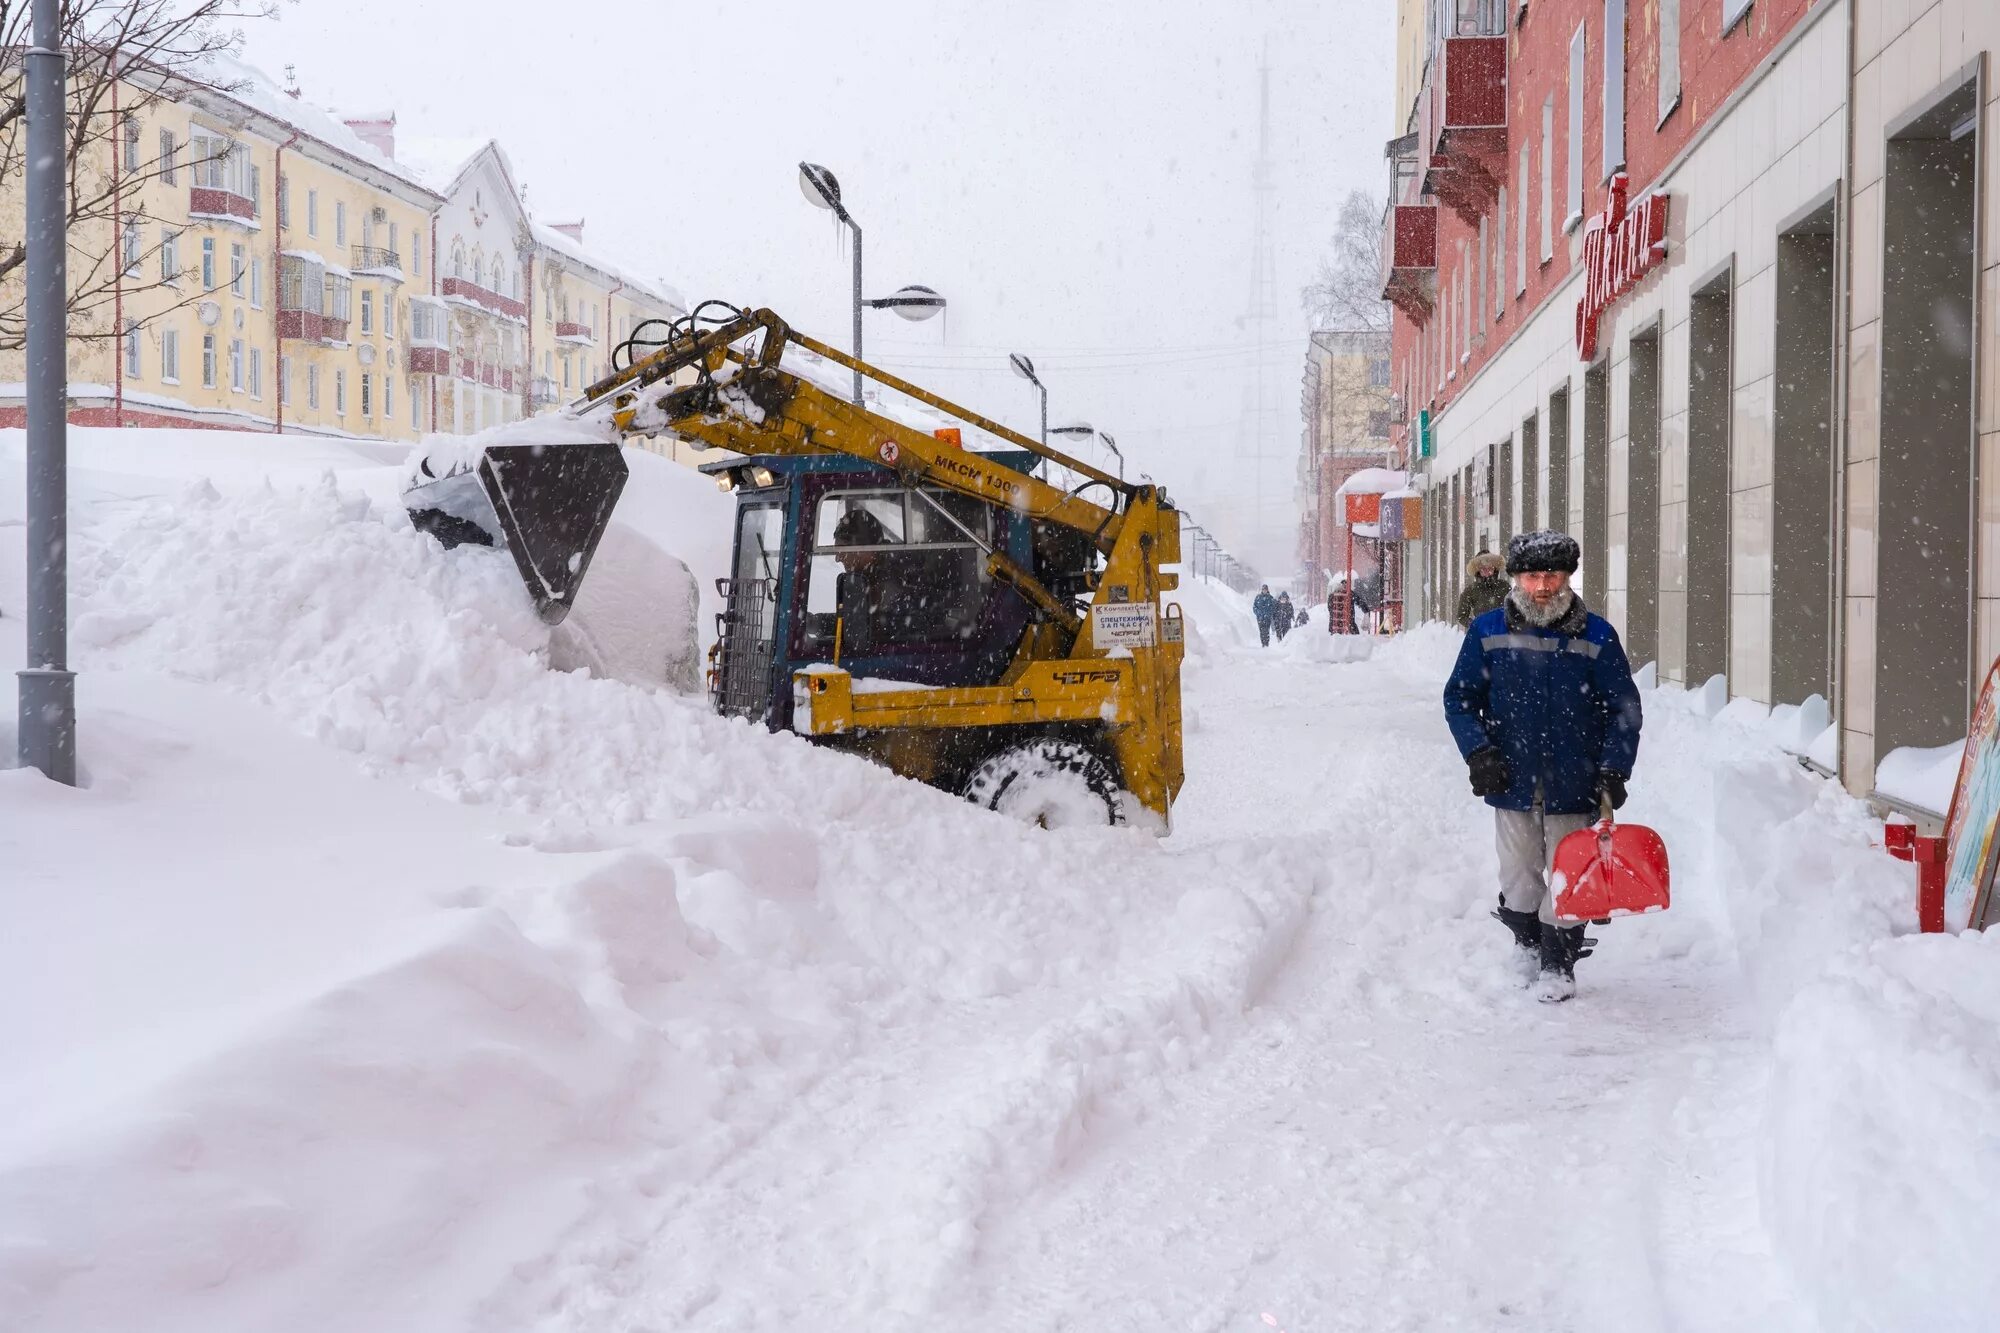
x=381, y=976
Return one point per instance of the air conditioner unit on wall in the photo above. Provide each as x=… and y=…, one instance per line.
x=379, y=214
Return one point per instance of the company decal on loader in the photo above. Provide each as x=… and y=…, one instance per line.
x=1122, y=625
x=1086, y=677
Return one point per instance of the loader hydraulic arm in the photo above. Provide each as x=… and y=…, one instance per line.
x=744, y=401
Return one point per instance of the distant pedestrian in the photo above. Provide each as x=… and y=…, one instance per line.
x=1486, y=590
x=1265, y=608
x=1282, y=617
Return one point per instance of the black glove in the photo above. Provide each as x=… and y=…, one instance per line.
x=1489, y=771
x=1611, y=787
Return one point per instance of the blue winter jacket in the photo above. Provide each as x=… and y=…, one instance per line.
x=1558, y=701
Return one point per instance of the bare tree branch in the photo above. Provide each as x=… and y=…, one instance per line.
x=1347, y=293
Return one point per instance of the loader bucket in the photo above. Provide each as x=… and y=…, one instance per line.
x=1609, y=870
x=548, y=504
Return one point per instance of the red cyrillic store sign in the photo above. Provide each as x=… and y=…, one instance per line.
x=1620, y=246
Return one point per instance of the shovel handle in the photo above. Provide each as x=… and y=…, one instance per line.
x=1604, y=806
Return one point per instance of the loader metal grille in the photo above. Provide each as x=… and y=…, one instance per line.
x=750, y=611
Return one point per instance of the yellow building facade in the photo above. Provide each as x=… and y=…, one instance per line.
x=277, y=267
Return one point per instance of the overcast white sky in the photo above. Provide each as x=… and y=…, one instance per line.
x=1074, y=177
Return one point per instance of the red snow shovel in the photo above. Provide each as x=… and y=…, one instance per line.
x=1608, y=870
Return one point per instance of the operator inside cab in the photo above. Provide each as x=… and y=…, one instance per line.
x=869, y=594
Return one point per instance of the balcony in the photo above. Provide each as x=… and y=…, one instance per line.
x=464, y=289
x=375, y=259
x=429, y=361
x=567, y=332
x=1462, y=124
x=208, y=202
x=1409, y=259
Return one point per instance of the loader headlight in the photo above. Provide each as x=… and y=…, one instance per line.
x=763, y=476
x=725, y=482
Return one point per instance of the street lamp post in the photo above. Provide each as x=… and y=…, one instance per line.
x=822, y=190
x=1084, y=430
x=1026, y=370
x=47, y=736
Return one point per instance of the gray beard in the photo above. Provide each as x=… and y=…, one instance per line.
x=1541, y=617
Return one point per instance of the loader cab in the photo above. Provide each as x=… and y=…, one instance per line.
x=839, y=561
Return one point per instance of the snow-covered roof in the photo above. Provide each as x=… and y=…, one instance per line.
x=223, y=75
x=438, y=161
x=564, y=244
x=1373, y=481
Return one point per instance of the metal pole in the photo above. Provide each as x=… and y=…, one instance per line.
x=1045, y=409
x=47, y=688
x=857, y=307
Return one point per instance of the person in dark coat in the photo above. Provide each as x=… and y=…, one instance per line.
x=1265, y=608
x=1485, y=588
x=1282, y=615
x=1544, y=711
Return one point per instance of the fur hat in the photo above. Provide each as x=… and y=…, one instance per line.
x=1546, y=551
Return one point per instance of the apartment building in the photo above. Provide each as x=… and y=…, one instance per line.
x=1616, y=243
x=1346, y=408
x=291, y=269
x=262, y=243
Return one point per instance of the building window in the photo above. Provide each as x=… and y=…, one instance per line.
x=340, y=222
x=170, y=257
x=1548, y=177
x=389, y=315
x=256, y=191
x=415, y=407
x=284, y=381
x=208, y=361
x=312, y=212
x=565, y=372
x=1479, y=297
x=388, y=397
x=392, y=241
x=312, y=387
x=1521, y=226
x=367, y=230
x=340, y=393
x=208, y=263
x=169, y=149
x=1614, y=86
x=131, y=144
x=457, y=260
x=367, y=394
x=131, y=349
x=257, y=372
x=236, y=365
x=132, y=249
x=417, y=255
x=236, y=270
x=284, y=201
x=367, y=326
x=1573, y=196
x=257, y=283
x=1670, y=57
x=1500, y=256
x=170, y=357
x=1378, y=372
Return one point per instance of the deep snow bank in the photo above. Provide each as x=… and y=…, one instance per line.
x=320, y=1052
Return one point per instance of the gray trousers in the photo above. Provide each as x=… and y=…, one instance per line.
x=1526, y=840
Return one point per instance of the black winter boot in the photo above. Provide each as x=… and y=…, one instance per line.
x=1527, y=928
x=1561, y=947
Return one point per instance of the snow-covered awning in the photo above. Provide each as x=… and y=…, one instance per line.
x=1374, y=481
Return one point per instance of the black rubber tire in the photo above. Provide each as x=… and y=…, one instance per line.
x=1051, y=783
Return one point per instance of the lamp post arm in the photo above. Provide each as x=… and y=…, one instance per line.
x=857, y=304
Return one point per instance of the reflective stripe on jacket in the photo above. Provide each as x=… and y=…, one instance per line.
x=1558, y=700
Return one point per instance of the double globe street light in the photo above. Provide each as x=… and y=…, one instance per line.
x=1083, y=430
x=915, y=303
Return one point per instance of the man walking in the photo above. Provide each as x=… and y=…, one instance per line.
x=1544, y=711
x=1484, y=588
x=1283, y=615
x=1265, y=608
